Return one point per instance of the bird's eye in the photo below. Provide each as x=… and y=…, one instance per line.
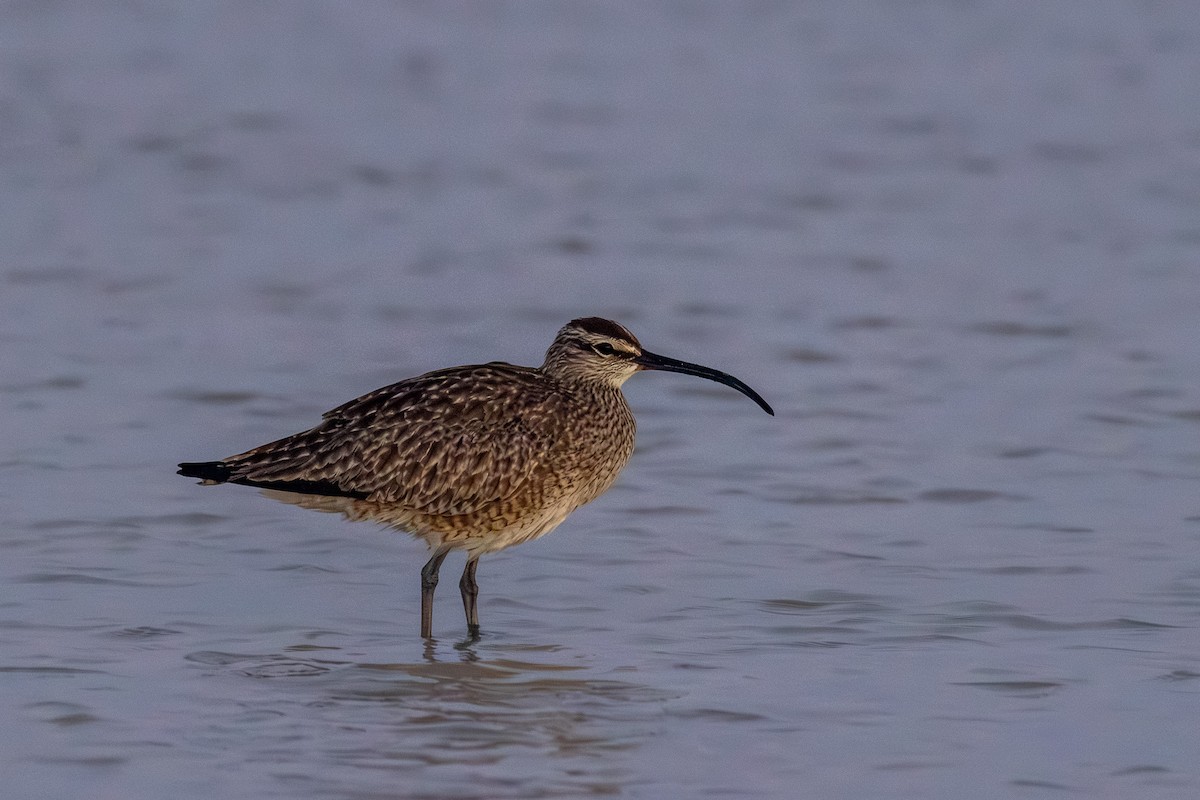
x=604, y=349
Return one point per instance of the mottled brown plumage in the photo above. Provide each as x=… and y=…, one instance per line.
x=476, y=458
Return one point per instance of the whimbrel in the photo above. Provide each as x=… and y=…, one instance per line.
x=475, y=458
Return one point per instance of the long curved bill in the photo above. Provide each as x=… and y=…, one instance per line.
x=648, y=360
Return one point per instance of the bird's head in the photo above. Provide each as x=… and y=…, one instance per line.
x=599, y=350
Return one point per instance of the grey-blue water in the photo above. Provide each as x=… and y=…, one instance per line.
x=956, y=244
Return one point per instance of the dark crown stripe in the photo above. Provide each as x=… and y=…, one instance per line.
x=605, y=327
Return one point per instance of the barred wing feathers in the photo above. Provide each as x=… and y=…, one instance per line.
x=448, y=442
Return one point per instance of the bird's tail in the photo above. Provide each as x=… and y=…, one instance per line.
x=207, y=471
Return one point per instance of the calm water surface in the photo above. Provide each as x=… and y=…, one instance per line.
x=955, y=245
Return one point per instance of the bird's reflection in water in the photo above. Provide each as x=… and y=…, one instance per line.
x=479, y=704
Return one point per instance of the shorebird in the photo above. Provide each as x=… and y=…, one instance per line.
x=475, y=458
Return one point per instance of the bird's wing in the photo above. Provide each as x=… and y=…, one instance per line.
x=448, y=442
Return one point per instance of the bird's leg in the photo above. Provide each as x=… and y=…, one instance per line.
x=429, y=580
x=470, y=594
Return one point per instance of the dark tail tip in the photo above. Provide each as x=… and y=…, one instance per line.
x=217, y=471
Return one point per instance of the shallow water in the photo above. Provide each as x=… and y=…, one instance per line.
x=955, y=246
